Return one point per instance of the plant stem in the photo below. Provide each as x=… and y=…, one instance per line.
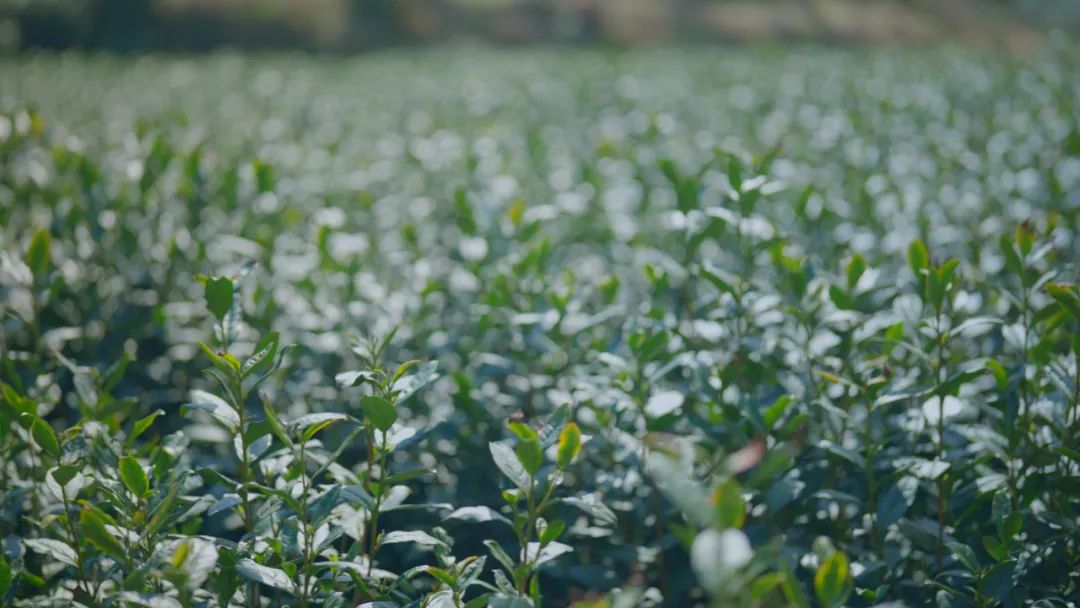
x=237, y=392
x=79, y=559
x=940, y=368
x=871, y=483
x=528, y=532
x=308, y=532
x=373, y=536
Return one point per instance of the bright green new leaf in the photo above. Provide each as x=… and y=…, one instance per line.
x=142, y=424
x=38, y=255
x=855, y=269
x=569, y=445
x=523, y=431
x=379, y=411
x=133, y=476
x=45, y=436
x=918, y=257
x=554, y=530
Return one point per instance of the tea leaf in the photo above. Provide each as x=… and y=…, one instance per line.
x=38, y=256
x=271, y=577
x=134, y=477
x=569, y=445
x=832, y=582
x=507, y=461
x=219, y=296
x=379, y=411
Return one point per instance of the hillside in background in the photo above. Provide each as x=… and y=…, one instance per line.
x=349, y=25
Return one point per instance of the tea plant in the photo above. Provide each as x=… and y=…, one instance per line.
x=660, y=328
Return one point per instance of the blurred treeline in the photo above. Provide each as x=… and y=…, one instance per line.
x=353, y=25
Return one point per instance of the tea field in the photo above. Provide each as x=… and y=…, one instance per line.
x=458, y=328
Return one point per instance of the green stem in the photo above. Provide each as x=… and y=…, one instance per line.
x=528, y=532
x=308, y=532
x=76, y=541
x=941, y=369
x=1023, y=390
x=236, y=391
x=374, y=535
x=871, y=482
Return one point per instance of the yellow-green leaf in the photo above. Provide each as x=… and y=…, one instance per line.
x=832, y=581
x=569, y=445
x=729, y=508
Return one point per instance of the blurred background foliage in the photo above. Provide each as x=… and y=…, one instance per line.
x=354, y=25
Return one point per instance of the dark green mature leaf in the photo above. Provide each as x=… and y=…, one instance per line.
x=999, y=581
x=995, y=548
x=1001, y=508
x=271, y=577
x=219, y=296
x=308, y=425
x=218, y=408
x=965, y=554
x=508, y=463
x=379, y=411
x=418, y=537
x=60, y=551
x=896, y=501
x=65, y=473
x=477, y=515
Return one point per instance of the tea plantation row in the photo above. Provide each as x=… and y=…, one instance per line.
x=545, y=328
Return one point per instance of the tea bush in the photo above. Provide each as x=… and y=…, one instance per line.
x=547, y=328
